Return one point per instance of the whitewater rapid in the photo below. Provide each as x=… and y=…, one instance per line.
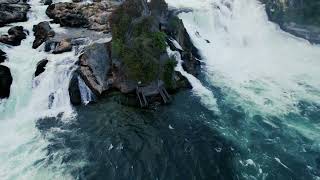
x=265, y=82
x=23, y=150
x=264, y=69
x=261, y=70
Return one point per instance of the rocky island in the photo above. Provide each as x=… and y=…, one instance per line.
x=84, y=86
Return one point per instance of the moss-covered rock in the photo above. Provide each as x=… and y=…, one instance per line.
x=138, y=42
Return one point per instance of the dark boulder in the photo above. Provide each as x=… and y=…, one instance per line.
x=2, y=56
x=42, y=33
x=47, y=2
x=95, y=64
x=13, y=11
x=41, y=67
x=5, y=81
x=15, y=35
x=74, y=91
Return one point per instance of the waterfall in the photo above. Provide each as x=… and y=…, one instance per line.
x=22, y=147
x=258, y=66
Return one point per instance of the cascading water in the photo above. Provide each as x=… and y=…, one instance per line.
x=22, y=147
x=260, y=119
x=267, y=77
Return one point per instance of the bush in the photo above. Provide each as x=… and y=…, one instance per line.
x=159, y=40
x=138, y=43
x=167, y=74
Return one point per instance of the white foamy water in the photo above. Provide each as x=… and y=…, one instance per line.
x=206, y=96
x=22, y=147
x=256, y=64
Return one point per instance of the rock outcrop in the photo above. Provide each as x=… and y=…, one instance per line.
x=2, y=56
x=15, y=35
x=135, y=63
x=189, y=53
x=300, y=18
x=41, y=67
x=95, y=65
x=13, y=11
x=57, y=46
x=5, y=82
x=42, y=33
x=93, y=16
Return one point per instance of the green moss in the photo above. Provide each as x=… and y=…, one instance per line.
x=120, y=25
x=137, y=42
x=167, y=74
x=142, y=66
x=117, y=48
x=174, y=22
x=143, y=27
x=159, y=40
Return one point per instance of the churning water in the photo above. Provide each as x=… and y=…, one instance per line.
x=254, y=112
x=269, y=77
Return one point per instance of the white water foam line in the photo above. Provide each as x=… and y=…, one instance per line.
x=267, y=68
x=22, y=147
x=206, y=96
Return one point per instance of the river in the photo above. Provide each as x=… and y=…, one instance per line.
x=253, y=113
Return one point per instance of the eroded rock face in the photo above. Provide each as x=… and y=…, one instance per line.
x=95, y=64
x=15, y=35
x=189, y=53
x=2, y=56
x=41, y=67
x=42, y=33
x=92, y=16
x=13, y=11
x=298, y=17
x=5, y=81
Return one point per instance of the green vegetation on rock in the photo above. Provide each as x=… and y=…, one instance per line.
x=139, y=44
x=167, y=74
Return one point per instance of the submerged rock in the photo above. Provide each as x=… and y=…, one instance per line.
x=13, y=11
x=15, y=35
x=42, y=33
x=93, y=16
x=5, y=81
x=74, y=90
x=41, y=67
x=2, y=56
x=189, y=53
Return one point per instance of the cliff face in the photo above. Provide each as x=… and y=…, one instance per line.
x=299, y=17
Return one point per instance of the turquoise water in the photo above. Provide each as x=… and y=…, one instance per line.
x=253, y=113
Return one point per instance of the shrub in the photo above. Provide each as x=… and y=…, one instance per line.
x=168, y=71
